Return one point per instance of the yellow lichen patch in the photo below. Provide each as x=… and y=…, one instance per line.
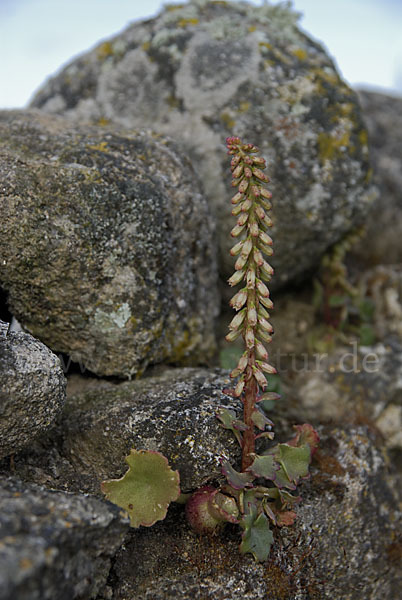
x=172, y=101
x=227, y=120
x=252, y=28
x=363, y=137
x=331, y=146
x=172, y=7
x=102, y=146
x=244, y=106
x=104, y=50
x=300, y=53
x=185, y=22
x=103, y=121
x=146, y=46
x=264, y=46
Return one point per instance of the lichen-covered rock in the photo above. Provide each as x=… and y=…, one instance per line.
x=173, y=413
x=106, y=243
x=55, y=545
x=383, y=117
x=32, y=390
x=201, y=71
x=343, y=544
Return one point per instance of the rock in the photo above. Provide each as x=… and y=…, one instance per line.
x=342, y=545
x=53, y=544
x=201, y=71
x=383, y=117
x=172, y=412
x=32, y=390
x=114, y=237
x=354, y=384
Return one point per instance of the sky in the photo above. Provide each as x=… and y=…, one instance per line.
x=39, y=36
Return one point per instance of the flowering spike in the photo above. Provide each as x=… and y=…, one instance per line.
x=252, y=321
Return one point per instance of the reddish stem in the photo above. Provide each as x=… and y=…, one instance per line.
x=249, y=399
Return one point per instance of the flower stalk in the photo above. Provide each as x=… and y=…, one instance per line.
x=251, y=207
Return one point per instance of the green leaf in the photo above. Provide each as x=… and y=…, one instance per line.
x=294, y=460
x=260, y=420
x=237, y=480
x=366, y=308
x=264, y=466
x=336, y=301
x=257, y=537
x=366, y=334
x=146, y=489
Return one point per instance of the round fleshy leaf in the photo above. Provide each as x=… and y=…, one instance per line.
x=146, y=489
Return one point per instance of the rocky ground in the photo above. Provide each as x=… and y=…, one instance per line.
x=114, y=220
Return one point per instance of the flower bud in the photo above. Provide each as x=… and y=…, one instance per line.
x=236, y=248
x=261, y=350
x=242, y=218
x=265, y=204
x=267, y=302
x=236, y=210
x=266, y=193
x=255, y=190
x=248, y=172
x=235, y=182
x=243, y=362
x=235, y=161
x=236, y=231
x=236, y=198
x=260, y=175
x=267, y=368
x=260, y=212
x=264, y=335
x=249, y=338
x=253, y=229
x=264, y=237
x=241, y=261
x=252, y=316
x=258, y=160
x=243, y=186
x=247, y=247
x=266, y=270
x=266, y=249
x=260, y=377
x=246, y=205
x=262, y=290
x=264, y=324
x=250, y=279
x=239, y=299
x=262, y=312
x=233, y=335
x=236, y=278
x=258, y=257
x=237, y=171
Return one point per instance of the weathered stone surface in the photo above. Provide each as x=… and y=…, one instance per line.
x=32, y=390
x=173, y=412
x=343, y=544
x=201, y=71
x=107, y=245
x=354, y=384
x=55, y=545
x=383, y=117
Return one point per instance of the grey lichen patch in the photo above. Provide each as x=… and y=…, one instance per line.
x=108, y=321
x=190, y=71
x=115, y=238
